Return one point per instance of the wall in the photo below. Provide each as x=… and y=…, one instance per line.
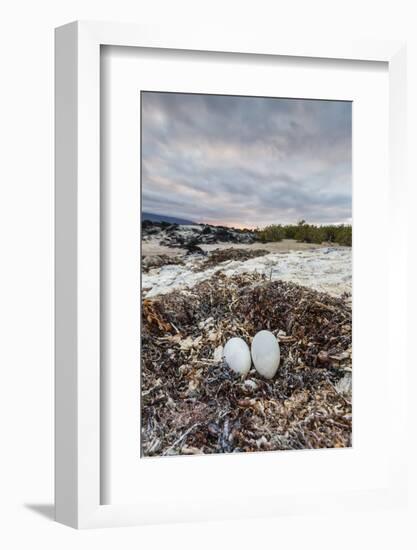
x=26, y=300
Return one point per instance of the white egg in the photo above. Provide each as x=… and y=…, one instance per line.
x=237, y=355
x=265, y=353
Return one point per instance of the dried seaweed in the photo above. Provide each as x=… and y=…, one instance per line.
x=193, y=403
x=230, y=254
x=156, y=261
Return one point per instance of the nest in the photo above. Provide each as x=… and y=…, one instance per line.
x=192, y=403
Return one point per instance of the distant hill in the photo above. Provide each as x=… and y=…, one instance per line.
x=162, y=218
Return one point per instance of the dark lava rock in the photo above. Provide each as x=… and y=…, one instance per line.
x=193, y=248
x=176, y=236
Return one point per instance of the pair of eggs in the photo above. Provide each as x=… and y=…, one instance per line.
x=264, y=353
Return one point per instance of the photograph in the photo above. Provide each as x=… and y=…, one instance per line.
x=208, y=218
x=246, y=274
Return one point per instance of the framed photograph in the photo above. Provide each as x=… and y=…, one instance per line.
x=223, y=274
x=228, y=335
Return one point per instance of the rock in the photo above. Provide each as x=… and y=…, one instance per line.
x=250, y=385
x=175, y=235
x=193, y=248
x=172, y=227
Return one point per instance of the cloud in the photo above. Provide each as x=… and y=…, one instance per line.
x=245, y=160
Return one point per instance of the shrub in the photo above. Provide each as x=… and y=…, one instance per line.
x=271, y=233
x=307, y=233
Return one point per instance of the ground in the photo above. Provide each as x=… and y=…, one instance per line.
x=153, y=248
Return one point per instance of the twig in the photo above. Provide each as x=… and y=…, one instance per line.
x=181, y=438
x=174, y=327
x=147, y=392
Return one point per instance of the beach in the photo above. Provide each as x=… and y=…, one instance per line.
x=192, y=402
x=320, y=267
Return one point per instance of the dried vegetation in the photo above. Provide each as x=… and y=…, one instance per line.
x=192, y=403
x=219, y=256
x=151, y=262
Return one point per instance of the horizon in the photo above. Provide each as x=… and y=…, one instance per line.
x=242, y=226
x=246, y=161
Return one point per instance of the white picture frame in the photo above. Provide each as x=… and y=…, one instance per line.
x=77, y=242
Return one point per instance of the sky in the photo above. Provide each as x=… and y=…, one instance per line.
x=246, y=161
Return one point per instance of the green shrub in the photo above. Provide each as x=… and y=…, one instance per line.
x=272, y=233
x=307, y=233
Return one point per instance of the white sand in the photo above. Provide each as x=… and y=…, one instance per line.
x=282, y=246
x=151, y=247
x=327, y=269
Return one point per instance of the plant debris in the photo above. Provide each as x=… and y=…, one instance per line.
x=219, y=256
x=192, y=403
x=152, y=262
